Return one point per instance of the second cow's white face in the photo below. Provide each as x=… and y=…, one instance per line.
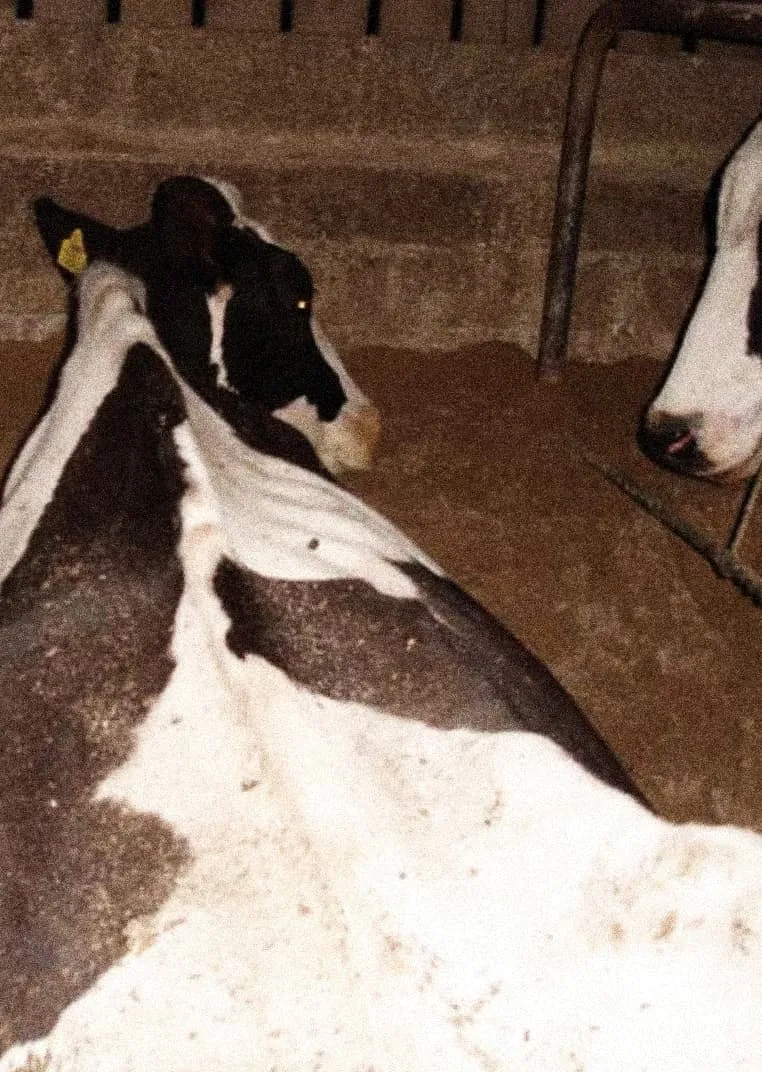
x=707, y=418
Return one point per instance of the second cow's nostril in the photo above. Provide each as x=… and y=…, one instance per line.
x=671, y=441
x=684, y=443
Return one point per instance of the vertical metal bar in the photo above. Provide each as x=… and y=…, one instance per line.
x=373, y=24
x=723, y=19
x=538, y=25
x=597, y=38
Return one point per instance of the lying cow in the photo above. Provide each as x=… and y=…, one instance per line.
x=277, y=795
x=707, y=418
x=232, y=308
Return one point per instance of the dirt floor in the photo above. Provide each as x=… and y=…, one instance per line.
x=479, y=465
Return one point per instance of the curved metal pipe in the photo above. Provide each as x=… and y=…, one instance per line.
x=727, y=21
x=597, y=37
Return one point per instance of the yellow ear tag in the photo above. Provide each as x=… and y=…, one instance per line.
x=71, y=253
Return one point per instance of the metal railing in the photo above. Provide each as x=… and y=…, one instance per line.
x=509, y=23
x=506, y=22
x=694, y=19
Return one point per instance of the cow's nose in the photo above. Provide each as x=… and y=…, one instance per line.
x=671, y=441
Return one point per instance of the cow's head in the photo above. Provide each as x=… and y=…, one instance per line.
x=233, y=309
x=707, y=418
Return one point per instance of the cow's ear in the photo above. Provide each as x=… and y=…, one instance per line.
x=192, y=222
x=73, y=239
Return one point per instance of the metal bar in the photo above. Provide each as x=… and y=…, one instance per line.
x=722, y=558
x=727, y=21
x=597, y=38
x=564, y=22
x=737, y=22
x=744, y=514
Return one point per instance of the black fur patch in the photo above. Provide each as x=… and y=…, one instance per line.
x=440, y=659
x=85, y=624
x=754, y=314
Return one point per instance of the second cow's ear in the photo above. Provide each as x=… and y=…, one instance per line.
x=73, y=239
x=192, y=223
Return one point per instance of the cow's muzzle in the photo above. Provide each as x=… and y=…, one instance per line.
x=673, y=443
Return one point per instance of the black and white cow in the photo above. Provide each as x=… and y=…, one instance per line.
x=277, y=795
x=707, y=418
x=233, y=309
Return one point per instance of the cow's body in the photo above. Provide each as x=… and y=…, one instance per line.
x=270, y=795
x=706, y=419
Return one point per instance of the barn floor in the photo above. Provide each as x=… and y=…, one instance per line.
x=478, y=465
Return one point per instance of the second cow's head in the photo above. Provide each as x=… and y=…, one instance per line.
x=707, y=418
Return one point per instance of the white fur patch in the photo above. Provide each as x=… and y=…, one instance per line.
x=370, y=893
x=217, y=303
x=273, y=512
x=109, y=324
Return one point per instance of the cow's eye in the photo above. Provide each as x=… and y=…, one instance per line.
x=303, y=304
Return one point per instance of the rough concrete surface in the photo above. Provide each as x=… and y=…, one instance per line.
x=478, y=464
x=416, y=179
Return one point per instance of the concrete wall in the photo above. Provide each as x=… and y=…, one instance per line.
x=416, y=179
